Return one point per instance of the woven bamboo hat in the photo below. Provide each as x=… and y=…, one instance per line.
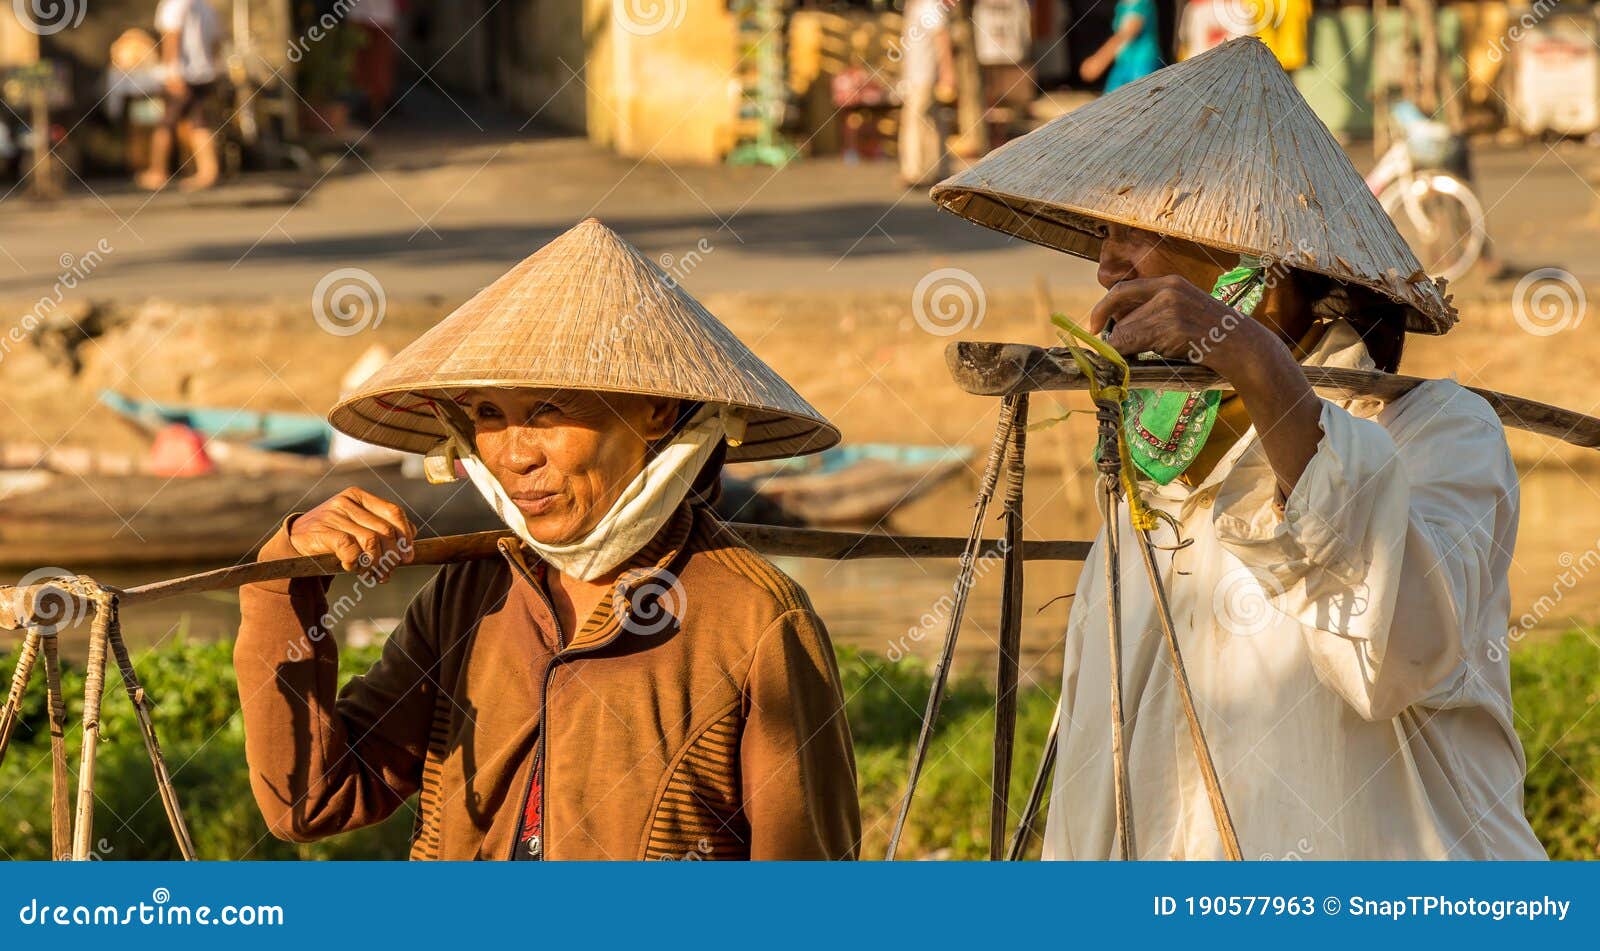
x=586, y=312
x=1221, y=150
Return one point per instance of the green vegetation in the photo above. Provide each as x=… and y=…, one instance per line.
x=202, y=735
x=950, y=818
x=1556, y=687
x=1556, y=683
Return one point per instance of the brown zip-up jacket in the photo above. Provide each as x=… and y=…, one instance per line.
x=696, y=714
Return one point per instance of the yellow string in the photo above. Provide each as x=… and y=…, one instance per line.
x=1138, y=513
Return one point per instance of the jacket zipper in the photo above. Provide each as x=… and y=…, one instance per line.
x=543, y=756
x=544, y=732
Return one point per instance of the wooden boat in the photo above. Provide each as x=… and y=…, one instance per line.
x=846, y=485
x=75, y=508
x=74, y=520
x=300, y=433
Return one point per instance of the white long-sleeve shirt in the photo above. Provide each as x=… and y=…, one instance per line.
x=1346, y=650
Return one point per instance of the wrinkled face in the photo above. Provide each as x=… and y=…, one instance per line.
x=564, y=456
x=1129, y=253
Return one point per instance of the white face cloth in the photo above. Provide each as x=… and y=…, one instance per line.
x=637, y=515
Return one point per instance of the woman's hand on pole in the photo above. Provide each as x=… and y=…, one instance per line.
x=361, y=529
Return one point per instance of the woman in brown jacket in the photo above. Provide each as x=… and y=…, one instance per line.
x=629, y=680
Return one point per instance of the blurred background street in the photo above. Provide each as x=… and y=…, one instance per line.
x=435, y=207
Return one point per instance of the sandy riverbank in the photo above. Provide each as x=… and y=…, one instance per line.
x=863, y=360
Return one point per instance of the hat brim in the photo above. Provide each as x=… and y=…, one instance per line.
x=400, y=418
x=1080, y=232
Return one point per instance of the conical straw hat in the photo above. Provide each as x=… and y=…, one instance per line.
x=1221, y=150
x=589, y=312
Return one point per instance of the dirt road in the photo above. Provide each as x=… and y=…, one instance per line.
x=433, y=219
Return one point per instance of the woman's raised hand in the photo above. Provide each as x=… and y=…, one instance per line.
x=363, y=530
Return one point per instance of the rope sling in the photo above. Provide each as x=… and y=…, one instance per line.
x=1107, y=373
x=72, y=834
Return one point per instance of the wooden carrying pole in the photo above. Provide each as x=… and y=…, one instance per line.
x=1003, y=369
x=449, y=549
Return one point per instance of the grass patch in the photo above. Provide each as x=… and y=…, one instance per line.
x=1556, y=685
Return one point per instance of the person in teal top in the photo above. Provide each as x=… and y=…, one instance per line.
x=1132, y=52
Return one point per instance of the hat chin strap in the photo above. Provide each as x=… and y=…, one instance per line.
x=634, y=518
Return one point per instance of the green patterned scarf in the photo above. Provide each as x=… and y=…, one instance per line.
x=1165, y=430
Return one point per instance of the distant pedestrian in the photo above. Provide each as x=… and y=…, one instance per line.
x=1002, y=33
x=860, y=97
x=1133, y=51
x=928, y=83
x=1207, y=24
x=379, y=21
x=190, y=37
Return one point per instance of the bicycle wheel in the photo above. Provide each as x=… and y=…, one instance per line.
x=1440, y=218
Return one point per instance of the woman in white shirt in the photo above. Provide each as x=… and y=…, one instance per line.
x=1339, y=606
x=1342, y=600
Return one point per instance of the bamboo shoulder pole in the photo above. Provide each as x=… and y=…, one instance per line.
x=16, y=603
x=1002, y=369
x=767, y=539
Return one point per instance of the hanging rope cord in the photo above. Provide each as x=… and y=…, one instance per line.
x=1108, y=388
x=1108, y=398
